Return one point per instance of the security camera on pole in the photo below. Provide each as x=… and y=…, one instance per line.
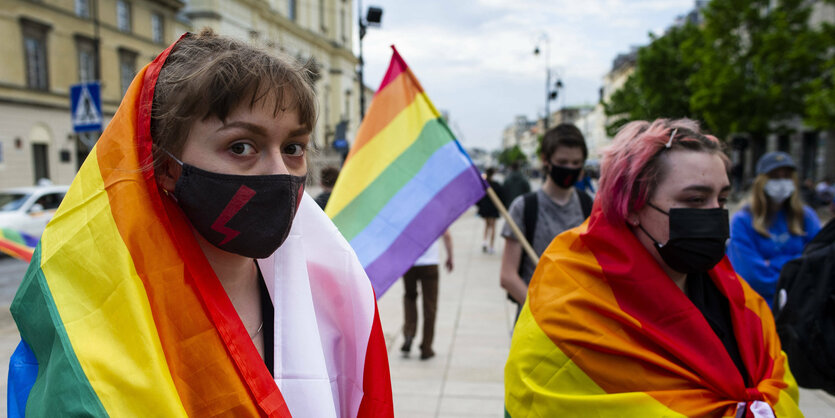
x=372, y=19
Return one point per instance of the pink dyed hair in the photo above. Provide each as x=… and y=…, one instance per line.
x=632, y=166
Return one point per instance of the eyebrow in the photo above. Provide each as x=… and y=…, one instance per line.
x=299, y=132
x=260, y=130
x=704, y=189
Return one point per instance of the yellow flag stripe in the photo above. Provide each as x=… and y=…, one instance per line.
x=382, y=150
x=540, y=380
x=109, y=316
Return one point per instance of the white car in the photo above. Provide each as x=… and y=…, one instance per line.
x=29, y=209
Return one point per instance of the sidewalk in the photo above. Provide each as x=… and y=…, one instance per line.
x=472, y=339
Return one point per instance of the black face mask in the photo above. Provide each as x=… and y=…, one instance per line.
x=246, y=215
x=697, y=239
x=564, y=177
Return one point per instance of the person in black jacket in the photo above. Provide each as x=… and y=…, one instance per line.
x=489, y=211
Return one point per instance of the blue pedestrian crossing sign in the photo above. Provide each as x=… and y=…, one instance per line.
x=85, y=107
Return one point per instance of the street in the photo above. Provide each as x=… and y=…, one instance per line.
x=472, y=337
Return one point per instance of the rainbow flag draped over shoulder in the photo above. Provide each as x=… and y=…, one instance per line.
x=121, y=314
x=405, y=180
x=604, y=332
x=17, y=244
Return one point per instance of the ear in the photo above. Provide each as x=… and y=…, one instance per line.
x=167, y=175
x=632, y=218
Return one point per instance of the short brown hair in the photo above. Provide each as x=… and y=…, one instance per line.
x=563, y=135
x=207, y=75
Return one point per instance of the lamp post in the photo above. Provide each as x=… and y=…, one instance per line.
x=372, y=19
x=550, y=92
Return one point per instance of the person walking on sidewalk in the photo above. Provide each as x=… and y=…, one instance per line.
x=425, y=271
x=773, y=228
x=515, y=184
x=327, y=179
x=488, y=210
x=544, y=214
x=638, y=313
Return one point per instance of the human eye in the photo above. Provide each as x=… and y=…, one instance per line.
x=241, y=148
x=295, y=150
x=723, y=200
x=695, y=201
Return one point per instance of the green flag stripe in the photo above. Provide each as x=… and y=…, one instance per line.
x=61, y=388
x=352, y=219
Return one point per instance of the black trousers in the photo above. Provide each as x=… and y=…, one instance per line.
x=428, y=278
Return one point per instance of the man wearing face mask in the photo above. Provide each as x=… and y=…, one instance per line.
x=545, y=213
x=773, y=227
x=637, y=312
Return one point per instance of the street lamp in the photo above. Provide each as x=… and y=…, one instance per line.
x=372, y=19
x=550, y=92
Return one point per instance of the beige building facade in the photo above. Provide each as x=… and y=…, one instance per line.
x=320, y=30
x=54, y=44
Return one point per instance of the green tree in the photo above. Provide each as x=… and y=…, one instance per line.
x=658, y=86
x=755, y=65
x=820, y=102
x=510, y=155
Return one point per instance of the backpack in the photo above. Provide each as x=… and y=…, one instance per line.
x=805, y=312
x=531, y=212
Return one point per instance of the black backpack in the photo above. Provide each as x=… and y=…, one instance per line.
x=531, y=212
x=806, y=322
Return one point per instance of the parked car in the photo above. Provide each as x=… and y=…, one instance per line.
x=29, y=209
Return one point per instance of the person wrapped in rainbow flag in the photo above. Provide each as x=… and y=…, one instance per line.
x=186, y=273
x=638, y=312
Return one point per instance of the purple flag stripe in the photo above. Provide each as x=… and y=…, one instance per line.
x=458, y=195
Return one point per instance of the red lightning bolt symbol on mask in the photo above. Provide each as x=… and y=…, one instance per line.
x=241, y=197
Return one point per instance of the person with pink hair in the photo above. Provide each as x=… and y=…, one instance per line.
x=637, y=312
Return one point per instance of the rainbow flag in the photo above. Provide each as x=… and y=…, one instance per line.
x=605, y=332
x=405, y=180
x=121, y=314
x=17, y=244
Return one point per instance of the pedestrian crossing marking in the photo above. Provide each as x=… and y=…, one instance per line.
x=86, y=111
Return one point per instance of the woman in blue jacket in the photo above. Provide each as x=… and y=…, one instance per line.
x=773, y=227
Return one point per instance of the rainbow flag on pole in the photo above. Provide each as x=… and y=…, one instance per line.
x=17, y=244
x=405, y=180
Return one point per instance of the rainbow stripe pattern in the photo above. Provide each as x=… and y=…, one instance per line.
x=604, y=332
x=17, y=244
x=121, y=314
x=405, y=180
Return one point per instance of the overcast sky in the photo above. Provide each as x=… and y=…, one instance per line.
x=475, y=58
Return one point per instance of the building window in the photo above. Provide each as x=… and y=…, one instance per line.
x=347, y=110
x=82, y=8
x=342, y=25
x=322, y=16
x=127, y=68
x=291, y=9
x=157, y=32
x=88, y=57
x=40, y=161
x=34, y=47
x=123, y=16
